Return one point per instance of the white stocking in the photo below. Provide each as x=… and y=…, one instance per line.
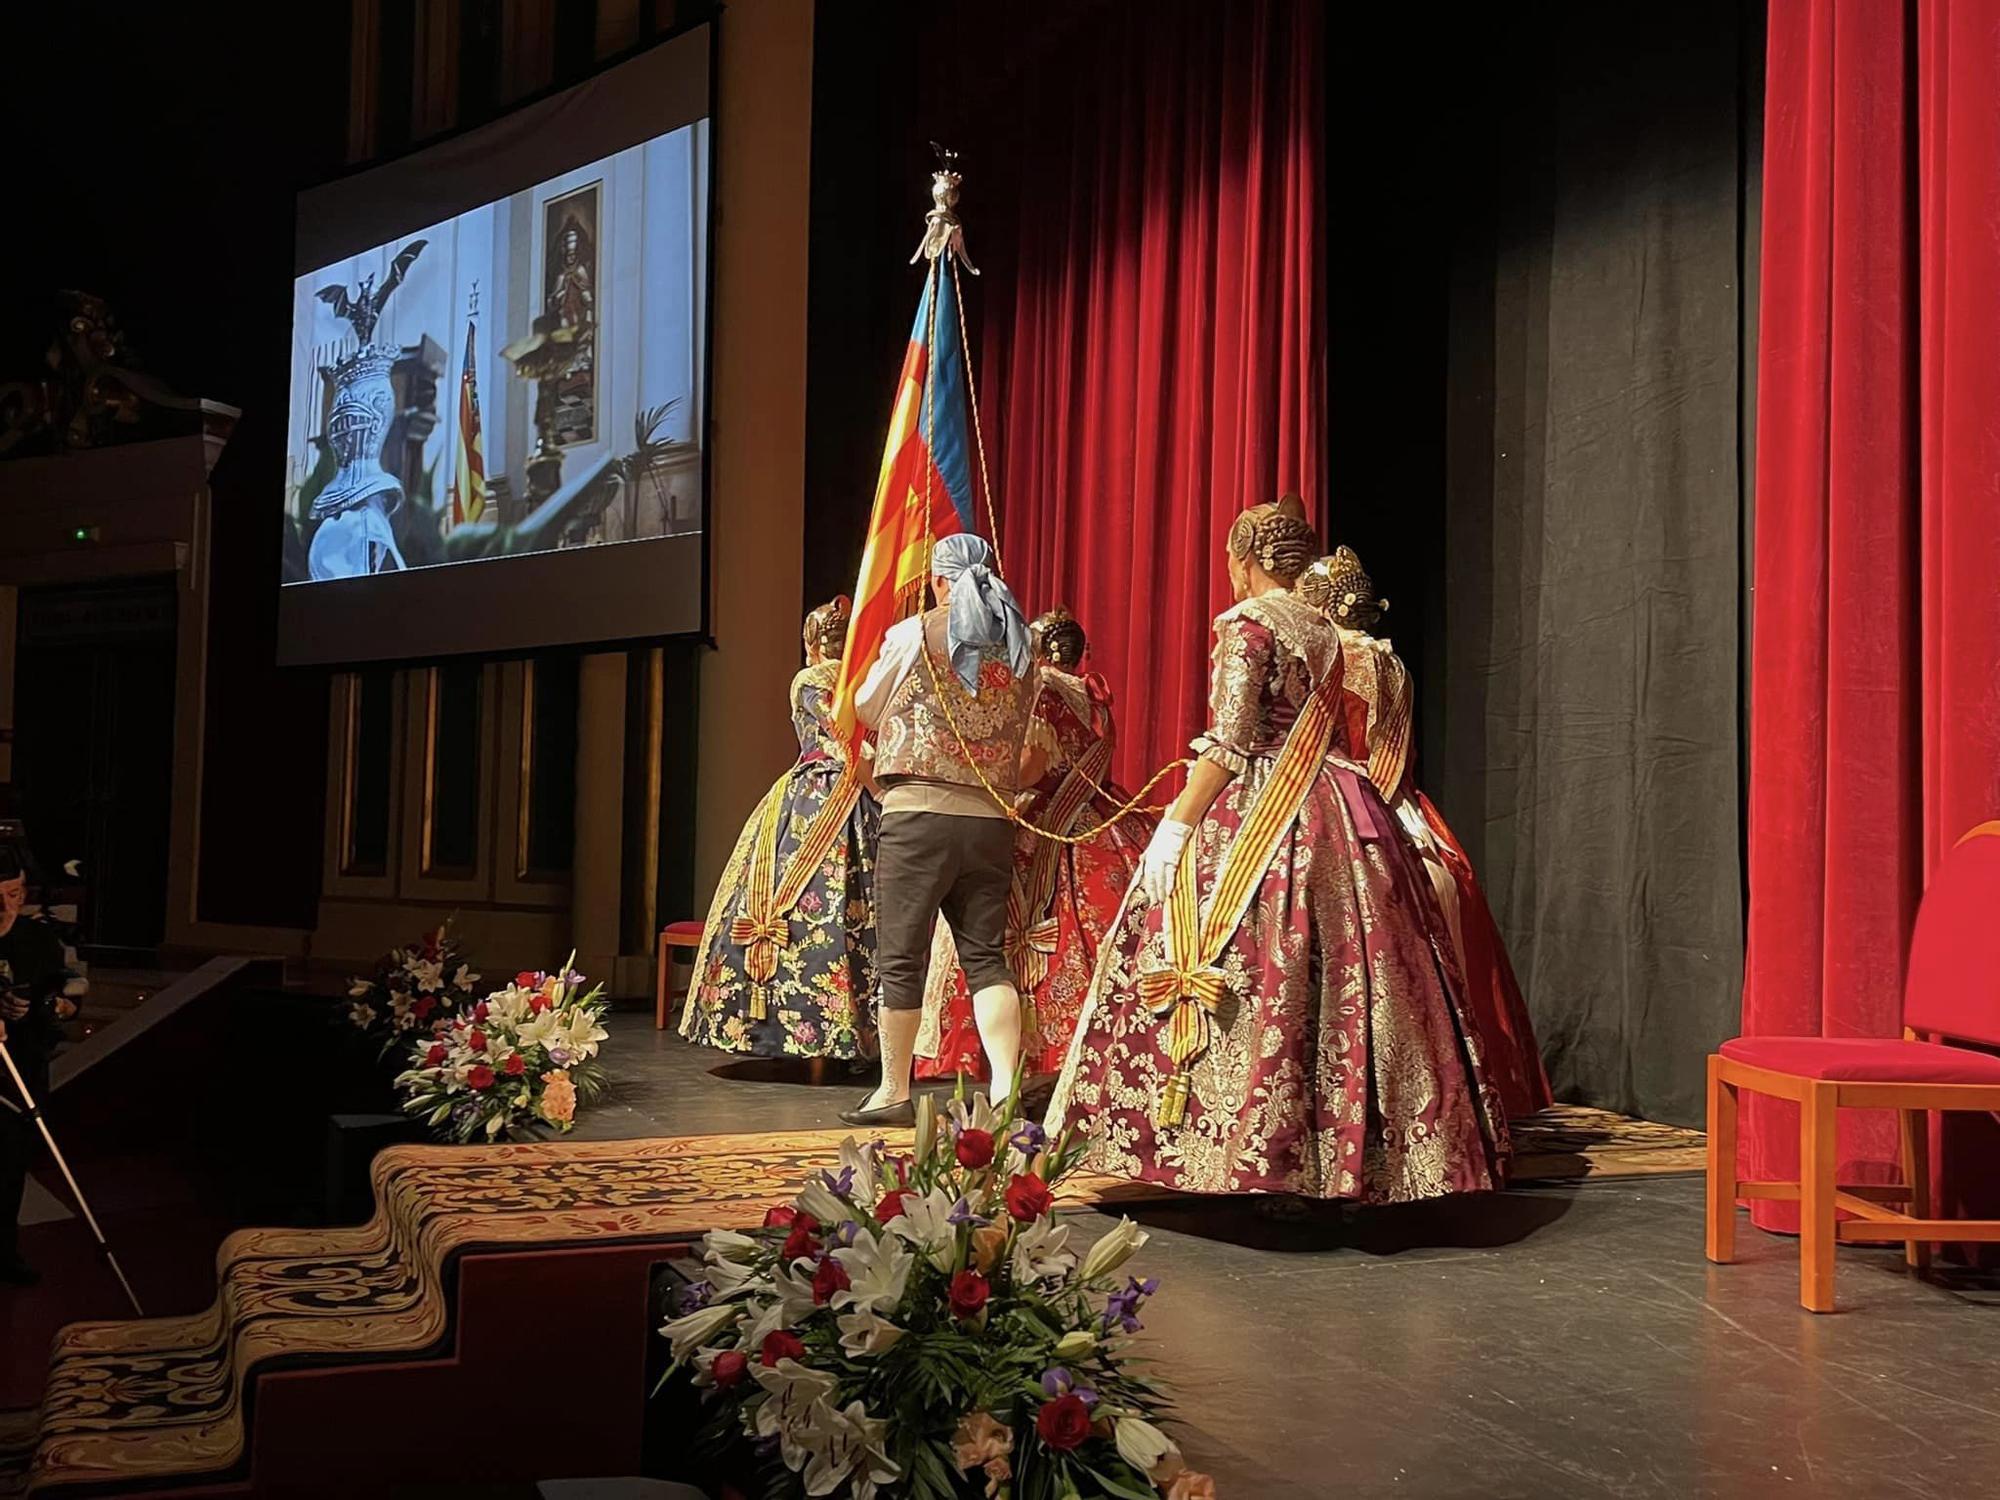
x=898, y=1031
x=997, y=1009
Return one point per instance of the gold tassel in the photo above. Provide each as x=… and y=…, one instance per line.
x=760, y=1003
x=1173, y=1102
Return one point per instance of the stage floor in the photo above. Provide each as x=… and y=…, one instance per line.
x=1552, y=1341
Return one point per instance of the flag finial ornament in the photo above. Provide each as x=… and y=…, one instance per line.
x=943, y=234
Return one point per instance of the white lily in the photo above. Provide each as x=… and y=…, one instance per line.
x=792, y=1305
x=428, y=971
x=464, y=979
x=582, y=1034
x=1041, y=1251
x=361, y=1015
x=794, y=1410
x=976, y=1113
x=817, y=1199
x=1142, y=1445
x=1113, y=1250
x=690, y=1331
x=726, y=1244
x=926, y=1224
x=1075, y=1345
x=864, y=1333
x=544, y=1031
x=851, y=1443
x=860, y=1161
x=360, y=987
x=877, y=1271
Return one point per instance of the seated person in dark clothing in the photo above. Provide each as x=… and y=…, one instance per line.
x=32, y=974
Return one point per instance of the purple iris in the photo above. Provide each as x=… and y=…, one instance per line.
x=846, y=1234
x=1029, y=1139
x=841, y=1182
x=694, y=1297
x=1057, y=1381
x=961, y=1213
x=559, y=1056
x=1122, y=1308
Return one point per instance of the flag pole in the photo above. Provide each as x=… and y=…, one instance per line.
x=33, y=1110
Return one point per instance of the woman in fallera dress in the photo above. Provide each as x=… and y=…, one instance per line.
x=1274, y=1011
x=1065, y=895
x=1341, y=589
x=786, y=966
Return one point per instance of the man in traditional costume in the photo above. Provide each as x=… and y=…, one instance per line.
x=949, y=698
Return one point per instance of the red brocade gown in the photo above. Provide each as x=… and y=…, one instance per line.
x=1336, y=1056
x=1064, y=897
x=1376, y=675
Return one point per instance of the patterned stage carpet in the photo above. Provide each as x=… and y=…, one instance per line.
x=165, y=1397
x=1569, y=1141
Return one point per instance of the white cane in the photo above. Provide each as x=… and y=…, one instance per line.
x=32, y=1110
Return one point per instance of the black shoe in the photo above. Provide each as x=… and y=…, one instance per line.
x=18, y=1272
x=900, y=1113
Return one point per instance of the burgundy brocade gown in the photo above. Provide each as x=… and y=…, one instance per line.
x=1343, y=1062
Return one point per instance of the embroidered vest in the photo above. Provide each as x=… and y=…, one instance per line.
x=917, y=739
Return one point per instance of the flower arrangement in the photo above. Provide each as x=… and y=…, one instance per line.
x=418, y=988
x=921, y=1326
x=521, y=1060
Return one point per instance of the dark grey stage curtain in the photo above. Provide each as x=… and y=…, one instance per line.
x=1583, y=728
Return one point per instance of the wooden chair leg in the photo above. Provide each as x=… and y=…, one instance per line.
x=662, y=972
x=1916, y=1133
x=1721, y=1165
x=1819, y=1153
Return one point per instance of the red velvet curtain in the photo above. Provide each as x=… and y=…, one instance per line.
x=1152, y=353
x=1875, y=696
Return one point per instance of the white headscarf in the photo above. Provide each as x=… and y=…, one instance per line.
x=983, y=609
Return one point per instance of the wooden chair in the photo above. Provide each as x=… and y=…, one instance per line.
x=1950, y=994
x=672, y=936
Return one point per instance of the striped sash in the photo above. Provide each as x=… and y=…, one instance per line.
x=1187, y=991
x=1031, y=929
x=765, y=923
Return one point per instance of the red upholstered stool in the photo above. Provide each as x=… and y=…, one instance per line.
x=674, y=935
x=1952, y=991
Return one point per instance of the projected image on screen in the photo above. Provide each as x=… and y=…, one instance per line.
x=522, y=378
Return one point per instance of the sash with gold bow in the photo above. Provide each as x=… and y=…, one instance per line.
x=1031, y=929
x=764, y=926
x=1188, y=991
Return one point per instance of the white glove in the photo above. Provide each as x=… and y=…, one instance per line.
x=1162, y=857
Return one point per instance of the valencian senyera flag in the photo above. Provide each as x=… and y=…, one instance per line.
x=468, y=480
x=929, y=437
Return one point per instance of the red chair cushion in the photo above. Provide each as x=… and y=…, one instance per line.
x=1861, y=1059
x=683, y=930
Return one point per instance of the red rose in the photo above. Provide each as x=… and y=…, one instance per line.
x=424, y=1006
x=480, y=1077
x=477, y=1041
x=1064, y=1422
x=827, y=1280
x=527, y=979
x=729, y=1368
x=435, y=1056
x=891, y=1205
x=780, y=1217
x=479, y=1011
x=975, y=1148
x=800, y=1241
x=1028, y=1198
x=539, y=1004
x=515, y=1066
x=968, y=1294
x=781, y=1345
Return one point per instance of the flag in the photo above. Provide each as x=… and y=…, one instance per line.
x=468, y=481
x=929, y=437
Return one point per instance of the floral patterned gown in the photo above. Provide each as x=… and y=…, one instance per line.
x=1376, y=675
x=1065, y=895
x=1341, y=1061
x=821, y=1002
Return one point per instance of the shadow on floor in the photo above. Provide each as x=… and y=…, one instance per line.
x=1478, y=1221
